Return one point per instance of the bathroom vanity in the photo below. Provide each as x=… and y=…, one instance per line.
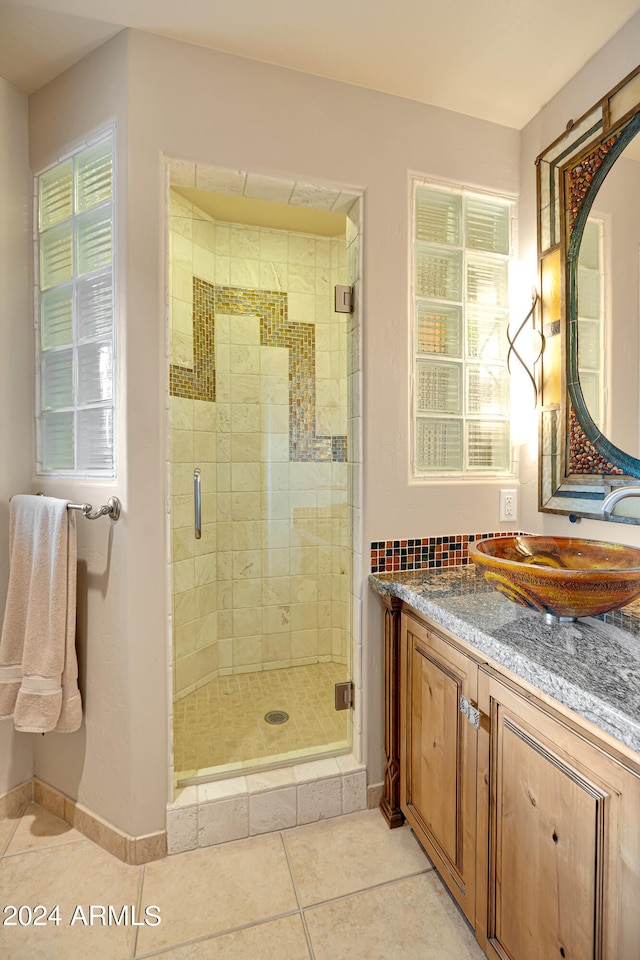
x=513, y=750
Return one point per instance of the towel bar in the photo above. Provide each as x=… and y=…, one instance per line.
x=112, y=508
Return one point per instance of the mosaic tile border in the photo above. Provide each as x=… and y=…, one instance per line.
x=198, y=382
x=427, y=553
x=276, y=330
x=581, y=175
x=583, y=456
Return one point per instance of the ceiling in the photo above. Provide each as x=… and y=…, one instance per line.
x=499, y=60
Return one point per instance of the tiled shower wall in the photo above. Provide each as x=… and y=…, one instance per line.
x=268, y=584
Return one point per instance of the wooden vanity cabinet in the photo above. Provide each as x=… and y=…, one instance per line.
x=558, y=843
x=438, y=748
x=532, y=819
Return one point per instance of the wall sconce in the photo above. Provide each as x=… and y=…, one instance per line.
x=525, y=346
x=531, y=345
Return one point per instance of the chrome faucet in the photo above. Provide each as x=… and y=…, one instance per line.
x=620, y=493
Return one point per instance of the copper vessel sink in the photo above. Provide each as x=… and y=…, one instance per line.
x=564, y=577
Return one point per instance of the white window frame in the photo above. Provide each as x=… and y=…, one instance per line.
x=104, y=473
x=471, y=193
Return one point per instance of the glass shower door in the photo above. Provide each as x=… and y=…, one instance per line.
x=259, y=405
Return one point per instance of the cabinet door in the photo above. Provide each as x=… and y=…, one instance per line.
x=563, y=853
x=438, y=755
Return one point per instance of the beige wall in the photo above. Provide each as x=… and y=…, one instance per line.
x=116, y=763
x=228, y=112
x=16, y=366
x=610, y=65
x=183, y=101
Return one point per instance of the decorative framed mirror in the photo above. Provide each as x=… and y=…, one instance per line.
x=588, y=184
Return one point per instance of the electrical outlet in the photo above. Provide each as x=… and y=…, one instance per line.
x=508, y=505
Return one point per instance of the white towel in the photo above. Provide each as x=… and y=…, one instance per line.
x=38, y=665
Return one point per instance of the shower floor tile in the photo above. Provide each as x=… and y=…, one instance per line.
x=222, y=724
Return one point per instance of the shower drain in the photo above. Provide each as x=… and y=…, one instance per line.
x=276, y=716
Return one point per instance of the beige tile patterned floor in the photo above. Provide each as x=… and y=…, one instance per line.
x=222, y=723
x=343, y=888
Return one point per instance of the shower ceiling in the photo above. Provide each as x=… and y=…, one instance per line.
x=497, y=60
x=277, y=215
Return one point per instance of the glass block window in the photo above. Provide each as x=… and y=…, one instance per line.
x=591, y=318
x=462, y=244
x=75, y=312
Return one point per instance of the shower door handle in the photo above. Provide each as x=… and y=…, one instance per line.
x=197, y=504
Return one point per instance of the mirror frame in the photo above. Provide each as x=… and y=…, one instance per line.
x=564, y=200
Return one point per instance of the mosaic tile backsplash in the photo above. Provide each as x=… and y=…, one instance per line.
x=427, y=553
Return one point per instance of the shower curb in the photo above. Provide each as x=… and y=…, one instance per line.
x=266, y=802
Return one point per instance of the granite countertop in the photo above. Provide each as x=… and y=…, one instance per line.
x=591, y=665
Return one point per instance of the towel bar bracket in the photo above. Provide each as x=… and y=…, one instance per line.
x=110, y=509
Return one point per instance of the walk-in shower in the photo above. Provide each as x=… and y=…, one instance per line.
x=259, y=405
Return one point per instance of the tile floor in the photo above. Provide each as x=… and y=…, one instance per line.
x=222, y=725
x=342, y=888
